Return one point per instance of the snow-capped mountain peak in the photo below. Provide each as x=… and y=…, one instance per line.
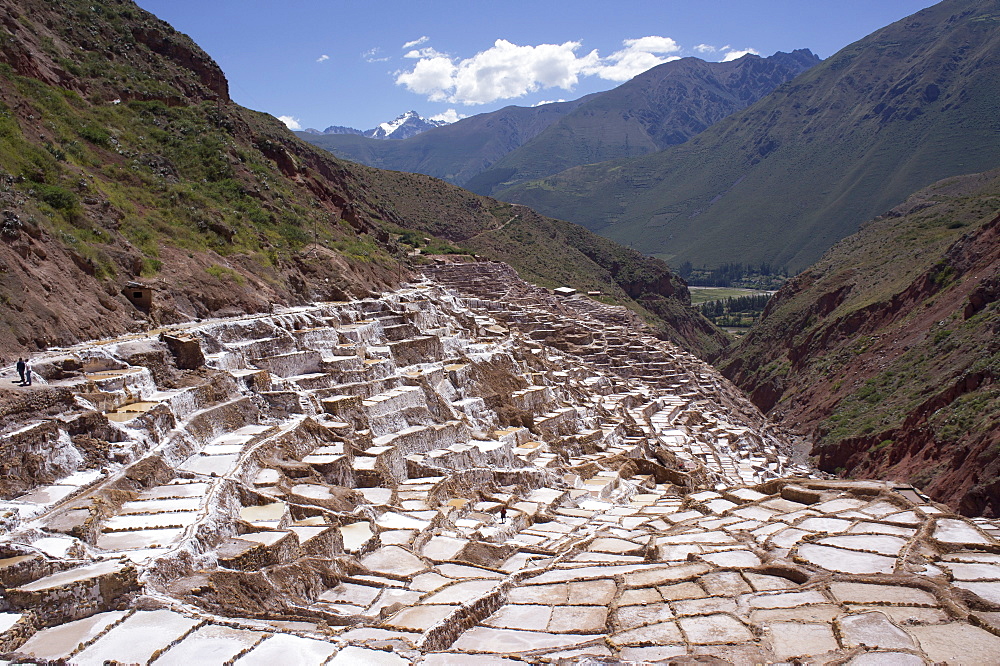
x=404, y=126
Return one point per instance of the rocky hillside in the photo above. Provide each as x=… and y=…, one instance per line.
x=122, y=159
x=784, y=180
x=887, y=351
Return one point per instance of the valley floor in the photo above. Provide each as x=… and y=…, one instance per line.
x=468, y=470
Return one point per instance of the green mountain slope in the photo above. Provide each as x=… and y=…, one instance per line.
x=887, y=351
x=661, y=107
x=122, y=159
x=783, y=180
x=455, y=152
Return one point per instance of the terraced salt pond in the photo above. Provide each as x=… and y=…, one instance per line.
x=498, y=478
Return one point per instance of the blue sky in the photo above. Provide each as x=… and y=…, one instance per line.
x=317, y=63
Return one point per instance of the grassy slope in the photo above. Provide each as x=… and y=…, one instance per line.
x=887, y=350
x=788, y=177
x=125, y=160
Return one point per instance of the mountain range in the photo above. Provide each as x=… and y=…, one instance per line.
x=663, y=106
x=784, y=179
x=402, y=126
x=456, y=152
x=660, y=107
x=756, y=161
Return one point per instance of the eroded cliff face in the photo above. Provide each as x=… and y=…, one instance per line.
x=886, y=352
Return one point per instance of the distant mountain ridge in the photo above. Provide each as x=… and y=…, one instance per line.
x=402, y=126
x=335, y=129
x=455, y=152
x=662, y=106
x=782, y=181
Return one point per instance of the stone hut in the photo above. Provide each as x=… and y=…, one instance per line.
x=140, y=295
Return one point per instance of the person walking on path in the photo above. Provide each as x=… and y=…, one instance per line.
x=27, y=375
x=20, y=369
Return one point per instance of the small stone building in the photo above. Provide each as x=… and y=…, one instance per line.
x=140, y=295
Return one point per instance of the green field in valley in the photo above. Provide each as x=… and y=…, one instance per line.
x=701, y=295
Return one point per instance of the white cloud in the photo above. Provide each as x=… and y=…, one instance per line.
x=547, y=101
x=705, y=48
x=372, y=55
x=323, y=58
x=449, y=116
x=427, y=52
x=416, y=42
x=504, y=71
x=290, y=122
x=637, y=56
x=431, y=77
x=507, y=70
x=736, y=54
